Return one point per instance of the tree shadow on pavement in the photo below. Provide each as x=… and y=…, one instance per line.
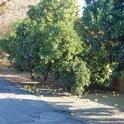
x=20, y=107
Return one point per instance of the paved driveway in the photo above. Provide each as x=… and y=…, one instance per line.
x=19, y=107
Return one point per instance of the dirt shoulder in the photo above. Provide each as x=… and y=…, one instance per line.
x=97, y=108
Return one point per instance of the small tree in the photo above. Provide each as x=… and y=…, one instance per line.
x=60, y=50
x=60, y=43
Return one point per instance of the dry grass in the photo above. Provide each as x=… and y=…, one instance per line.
x=12, y=11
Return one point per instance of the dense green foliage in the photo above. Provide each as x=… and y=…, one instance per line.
x=102, y=27
x=79, y=51
x=60, y=43
x=26, y=43
x=46, y=42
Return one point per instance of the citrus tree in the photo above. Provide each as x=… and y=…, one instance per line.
x=46, y=41
x=102, y=30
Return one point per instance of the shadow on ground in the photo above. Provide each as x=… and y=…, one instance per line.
x=18, y=106
x=107, y=108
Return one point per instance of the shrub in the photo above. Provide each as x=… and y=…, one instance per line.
x=60, y=51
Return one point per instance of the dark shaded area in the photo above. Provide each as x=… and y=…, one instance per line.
x=7, y=87
x=22, y=108
x=95, y=115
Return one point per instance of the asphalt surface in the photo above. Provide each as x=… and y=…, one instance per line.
x=20, y=107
